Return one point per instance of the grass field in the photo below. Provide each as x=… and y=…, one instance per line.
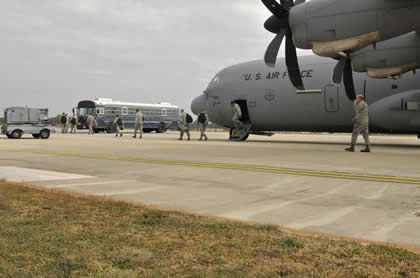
x=50, y=234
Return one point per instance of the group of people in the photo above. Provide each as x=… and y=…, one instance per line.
x=68, y=122
x=360, y=123
x=185, y=121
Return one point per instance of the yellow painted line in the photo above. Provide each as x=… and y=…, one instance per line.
x=228, y=166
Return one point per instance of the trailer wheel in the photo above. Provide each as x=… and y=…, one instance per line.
x=36, y=136
x=44, y=134
x=16, y=134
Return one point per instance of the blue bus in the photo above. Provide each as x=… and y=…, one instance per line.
x=157, y=117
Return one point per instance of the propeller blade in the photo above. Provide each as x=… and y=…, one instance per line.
x=292, y=63
x=275, y=8
x=270, y=57
x=348, y=81
x=288, y=4
x=274, y=25
x=338, y=70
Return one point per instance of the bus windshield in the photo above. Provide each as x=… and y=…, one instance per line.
x=83, y=111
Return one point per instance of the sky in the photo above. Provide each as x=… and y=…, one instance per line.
x=54, y=53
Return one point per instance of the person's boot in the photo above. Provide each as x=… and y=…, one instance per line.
x=366, y=150
x=351, y=149
x=206, y=138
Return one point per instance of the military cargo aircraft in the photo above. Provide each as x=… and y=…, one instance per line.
x=269, y=102
x=338, y=29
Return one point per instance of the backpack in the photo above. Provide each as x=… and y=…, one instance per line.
x=189, y=119
x=119, y=122
x=202, y=118
x=73, y=121
x=63, y=119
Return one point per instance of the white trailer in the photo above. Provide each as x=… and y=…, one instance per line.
x=24, y=120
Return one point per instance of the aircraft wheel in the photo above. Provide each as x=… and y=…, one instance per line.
x=44, y=134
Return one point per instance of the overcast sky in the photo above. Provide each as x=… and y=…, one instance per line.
x=54, y=53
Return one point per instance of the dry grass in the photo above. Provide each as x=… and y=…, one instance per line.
x=47, y=234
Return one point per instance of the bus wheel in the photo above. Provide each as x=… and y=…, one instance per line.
x=162, y=128
x=16, y=134
x=44, y=134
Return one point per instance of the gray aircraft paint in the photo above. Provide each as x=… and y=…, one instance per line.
x=398, y=51
x=330, y=20
x=274, y=104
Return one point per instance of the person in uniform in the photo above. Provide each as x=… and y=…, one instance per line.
x=360, y=123
x=203, y=122
x=63, y=122
x=73, y=124
x=91, y=123
x=184, y=126
x=237, y=114
x=139, y=124
x=118, y=124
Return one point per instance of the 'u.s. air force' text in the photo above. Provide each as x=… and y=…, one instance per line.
x=274, y=75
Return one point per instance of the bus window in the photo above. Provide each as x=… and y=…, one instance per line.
x=124, y=111
x=100, y=111
x=86, y=111
x=164, y=113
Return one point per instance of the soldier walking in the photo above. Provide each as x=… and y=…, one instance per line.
x=63, y=121
x=91, y=123
x=139, y=124
x=184, y=124
x=203, y=122
x=73, y=124
x=119, y=126
x=360, y=124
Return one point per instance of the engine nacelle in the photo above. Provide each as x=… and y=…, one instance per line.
x=332, y=26
x=398, y=113
x=389, y=58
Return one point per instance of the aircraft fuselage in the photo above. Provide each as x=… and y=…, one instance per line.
x=274, y=105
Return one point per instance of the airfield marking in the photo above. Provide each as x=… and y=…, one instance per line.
x=19, y=174
x=242, y=167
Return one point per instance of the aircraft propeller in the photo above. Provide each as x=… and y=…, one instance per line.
x=279, y=25
x=343, y=69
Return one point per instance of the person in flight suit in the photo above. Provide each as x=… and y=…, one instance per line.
x=237, y=114
x=184, y=125
x=139, y=124
x=203, y=122
x=360, y=123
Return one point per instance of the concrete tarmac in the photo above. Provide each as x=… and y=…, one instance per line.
x=301, y=181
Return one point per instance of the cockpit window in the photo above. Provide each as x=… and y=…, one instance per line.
x=215, y=81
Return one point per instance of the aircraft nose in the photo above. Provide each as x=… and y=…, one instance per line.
x=198, y=104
